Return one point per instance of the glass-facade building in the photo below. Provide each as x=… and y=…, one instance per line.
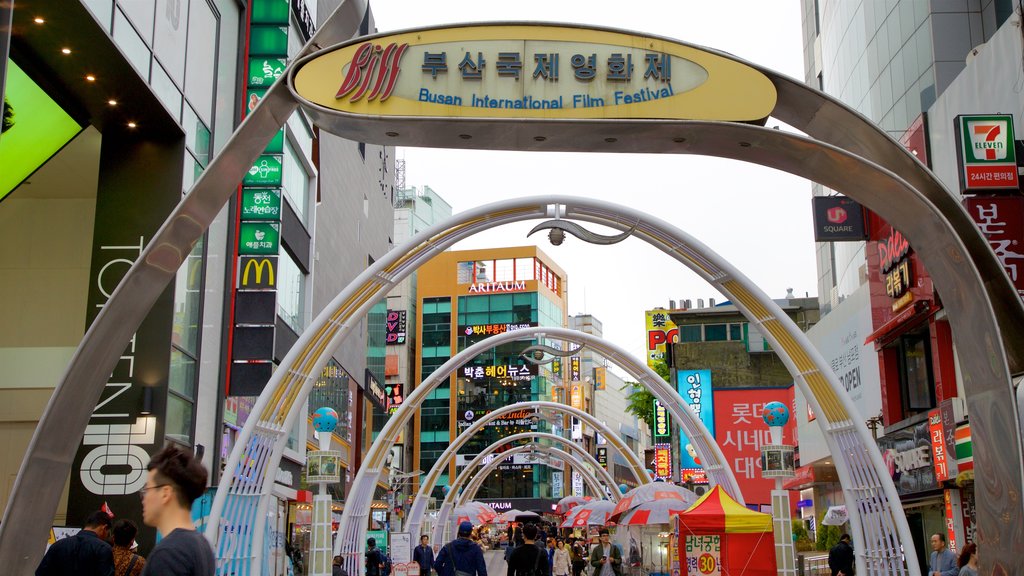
x=465, y=297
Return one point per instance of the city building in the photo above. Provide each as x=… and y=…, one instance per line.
x=133, y=100
x=889, y=341
x=463, y=297
x=604, y=394
x=726, y=372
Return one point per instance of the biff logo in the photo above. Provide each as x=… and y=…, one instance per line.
x=374, y=69
x=988, y=139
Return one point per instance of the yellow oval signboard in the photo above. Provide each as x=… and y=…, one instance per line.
x=532, y=71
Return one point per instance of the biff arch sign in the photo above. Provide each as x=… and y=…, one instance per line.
x=532, y=72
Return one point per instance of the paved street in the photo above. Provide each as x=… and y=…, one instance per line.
x=495, y=562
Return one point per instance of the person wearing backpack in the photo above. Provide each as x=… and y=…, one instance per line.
x=126, y=561
x=374, y=558
x=461, y=557
x=529, y=559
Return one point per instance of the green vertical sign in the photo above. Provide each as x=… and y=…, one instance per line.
x=276, y=145
x=261, y=204
x=268, y=40
x=265, y=172
x=269, y=12
x=263, y=71
x=259, y=238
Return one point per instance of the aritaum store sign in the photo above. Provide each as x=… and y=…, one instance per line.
x=530, y=72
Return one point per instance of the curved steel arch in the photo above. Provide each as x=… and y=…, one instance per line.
x=984, y=309
x=449, y=503
x=715, y=463
x=473, y=484
x=869, y=489
x=419, y=503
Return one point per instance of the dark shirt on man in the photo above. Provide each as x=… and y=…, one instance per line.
x=528, y=559
x=181, y=553
x=84, y=554
x=840, y=559
x=424, y=556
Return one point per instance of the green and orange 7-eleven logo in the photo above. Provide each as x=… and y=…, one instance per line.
x=989, y=138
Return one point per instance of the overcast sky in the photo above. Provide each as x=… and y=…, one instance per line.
x=757, y=218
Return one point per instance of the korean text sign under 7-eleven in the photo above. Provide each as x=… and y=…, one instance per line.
x=986, y=153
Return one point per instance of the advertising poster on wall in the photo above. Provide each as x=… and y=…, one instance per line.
x=741, y=432
x=695, y=388
x=660, y=330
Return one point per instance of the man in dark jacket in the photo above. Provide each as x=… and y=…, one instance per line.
x=529, y=559
x=424, y=555
x=374, y=558
x=85, y=553
x=840, y=557
x=461, y=555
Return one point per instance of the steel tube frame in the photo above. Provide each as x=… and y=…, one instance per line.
x=851, y=155
x=423, y=494
x=448, y=506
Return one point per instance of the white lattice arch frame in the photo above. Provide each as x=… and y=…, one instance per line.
x=580, y=462
x=707, y=448
x=877, y=519
x=416, y=513
x=473, y=481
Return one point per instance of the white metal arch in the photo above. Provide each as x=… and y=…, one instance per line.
x=416, y=513
x=472, y=482
x=714, y=461
x=581, y=463
x=877, y=519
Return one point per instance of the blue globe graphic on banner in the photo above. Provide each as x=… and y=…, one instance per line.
x=325, y=419
x=775, y=414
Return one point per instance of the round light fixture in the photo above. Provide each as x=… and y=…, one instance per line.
x=112, y=102
x=38, y=20
x=65, y=50
x=131, y=124
x=90, y=77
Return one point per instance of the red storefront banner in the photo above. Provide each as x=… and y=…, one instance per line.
x=1001, y=220
x=662, y=461
x=740, y=432
x=940, y=453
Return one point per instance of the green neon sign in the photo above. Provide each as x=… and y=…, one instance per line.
x=264, y=71
x=265, y=172
x=259, y=238
x=261, y=204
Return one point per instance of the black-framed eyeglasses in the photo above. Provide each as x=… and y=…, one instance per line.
x=142, y=491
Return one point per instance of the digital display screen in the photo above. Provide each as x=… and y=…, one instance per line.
x=35, y=127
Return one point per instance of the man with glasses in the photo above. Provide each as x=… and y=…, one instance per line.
x=606, y=558
x=176, y=478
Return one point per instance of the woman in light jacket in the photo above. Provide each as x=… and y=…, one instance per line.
x=561, y=564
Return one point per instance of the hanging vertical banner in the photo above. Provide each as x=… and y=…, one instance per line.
x=662, y=429
x=695, y=388
x=600, y=377
x=556, y=484
x=660, y=331
x=602, y=456
x=574, y=369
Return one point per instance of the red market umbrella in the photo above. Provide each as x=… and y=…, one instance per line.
x=507, y=516
x=471, y=514
x=484, y=509
x=656, y=512
x=650, y=493
x=569, y=502
x=590, y=514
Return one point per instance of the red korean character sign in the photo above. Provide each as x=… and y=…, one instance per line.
x=740, y=432
x=1001, y=220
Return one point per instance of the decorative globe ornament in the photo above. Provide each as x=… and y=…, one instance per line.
x=623, y=488
x=446, y=489
x=325, y=419
x=775, y=414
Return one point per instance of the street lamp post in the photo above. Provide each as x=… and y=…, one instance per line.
x=777, y=463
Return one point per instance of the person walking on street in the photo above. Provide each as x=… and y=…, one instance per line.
x=606, y=558
x=424, y=555
x=337, y=569
x=528, y=559
x=562, y=563
x=462, y=556
x=579, y=560
x=840, y=557
x=84, y=554
x=968, y=561
x=175, y=480
x=374, y=558
x=942, y=561
x=126, y=561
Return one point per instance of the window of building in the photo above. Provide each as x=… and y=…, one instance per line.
x=504, y=270
x=917, y=386
x=296, y=179
x=524, y=269
x=464, y=271
x=291, y=292
x=715, y=333
x=182, y=375
x=331, y=389
x=735, y=332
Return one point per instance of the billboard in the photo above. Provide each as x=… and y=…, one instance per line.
x=838, y=219
x=394, y=328
x=660, y=331
x=740, y=432
x=695, y=388
x=35, y=128
x=1001, y=221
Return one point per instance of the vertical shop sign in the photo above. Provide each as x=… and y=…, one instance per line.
x=662, y=429
x=660, y=331
x=577, y=483
x=254, y=315
x=694, y=386
x=556, y=484
x=602, y=456
x=574, y=369
x=600, y=377
x=1001, y=221
x=394, y=328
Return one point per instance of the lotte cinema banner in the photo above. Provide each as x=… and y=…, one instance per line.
x=740, y=432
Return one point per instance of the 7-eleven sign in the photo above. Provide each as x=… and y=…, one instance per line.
x=986, y=153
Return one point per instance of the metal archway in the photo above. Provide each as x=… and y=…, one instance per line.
x=868, y=488
x=715, y=464
x=423, y=494
x=444, y=515
x=473, y=484
x=852, y=156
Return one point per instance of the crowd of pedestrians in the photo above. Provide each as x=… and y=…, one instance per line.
x=175, y=479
